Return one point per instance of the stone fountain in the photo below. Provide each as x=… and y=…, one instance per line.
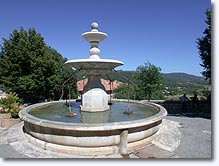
x=94, y=97
x=97, y=127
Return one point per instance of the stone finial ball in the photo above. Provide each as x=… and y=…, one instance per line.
x=94, y=25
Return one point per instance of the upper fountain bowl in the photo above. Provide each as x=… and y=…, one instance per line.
x=94, y=66
x=94, y=35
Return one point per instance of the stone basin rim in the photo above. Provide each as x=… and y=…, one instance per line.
x=24, y=115
x=89, y=60
x=98, y=33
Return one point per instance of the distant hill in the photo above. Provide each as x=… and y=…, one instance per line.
x=183, y=78
x=168, y=77
x=173, y=84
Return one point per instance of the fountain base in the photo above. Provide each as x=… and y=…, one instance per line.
x=95, y=100
x=92, y=138
x=93, y=150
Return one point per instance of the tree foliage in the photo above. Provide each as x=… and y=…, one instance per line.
x=149, y=81
x=126, y=91
x=204, y=46
x=30, y=68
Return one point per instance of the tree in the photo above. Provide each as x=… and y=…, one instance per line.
x=149, y=80
x=204, y=46
x=125, y=91
x=31, y=69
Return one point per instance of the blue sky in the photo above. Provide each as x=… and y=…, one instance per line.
x=163, y=32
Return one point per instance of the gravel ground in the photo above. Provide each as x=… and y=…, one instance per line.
x=196, y=140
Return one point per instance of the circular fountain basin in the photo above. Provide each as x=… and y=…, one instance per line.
x=93, y=133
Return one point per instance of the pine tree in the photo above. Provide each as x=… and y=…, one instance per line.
x=204, y=46
x=30, y=68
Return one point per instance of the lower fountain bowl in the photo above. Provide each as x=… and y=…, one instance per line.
x=92, y=138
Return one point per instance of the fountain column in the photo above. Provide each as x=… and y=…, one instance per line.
x=94, y=97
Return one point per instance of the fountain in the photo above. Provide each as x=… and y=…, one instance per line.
x=95, y=127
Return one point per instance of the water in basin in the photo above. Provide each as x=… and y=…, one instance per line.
x=59, y=111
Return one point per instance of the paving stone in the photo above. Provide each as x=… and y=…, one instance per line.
x=133, y=156
x=7, y=151
x=169, y=137
x=154, y=152
x=12, y=140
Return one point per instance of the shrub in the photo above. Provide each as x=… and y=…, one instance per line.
x=14, y=112
x=11, y=103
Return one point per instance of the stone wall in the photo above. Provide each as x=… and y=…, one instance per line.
x=6, y=121
x=201, y=109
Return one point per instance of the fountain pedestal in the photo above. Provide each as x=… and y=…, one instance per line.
x=95, y=100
